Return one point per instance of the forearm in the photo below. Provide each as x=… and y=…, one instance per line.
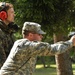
x=61, y=47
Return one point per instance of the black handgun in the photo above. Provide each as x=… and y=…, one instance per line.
x=71, y=34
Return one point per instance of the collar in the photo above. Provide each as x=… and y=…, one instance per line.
x=5, y=27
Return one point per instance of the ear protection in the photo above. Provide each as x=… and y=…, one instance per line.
x=3, y=14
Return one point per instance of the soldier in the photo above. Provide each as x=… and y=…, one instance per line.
x=7, y=28
x=22, y=57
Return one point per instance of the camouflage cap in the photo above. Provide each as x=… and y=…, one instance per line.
x=33, y=27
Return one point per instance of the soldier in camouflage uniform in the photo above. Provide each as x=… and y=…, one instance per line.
x=6, y=36
x=23, y=55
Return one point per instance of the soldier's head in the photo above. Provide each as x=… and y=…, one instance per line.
x=32, y=31
x=6, y=12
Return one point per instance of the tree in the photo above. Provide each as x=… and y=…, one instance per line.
x=54, y=15
x=64, y=66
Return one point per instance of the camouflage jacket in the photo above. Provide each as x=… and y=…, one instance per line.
x=22, y=58
x=6, y=42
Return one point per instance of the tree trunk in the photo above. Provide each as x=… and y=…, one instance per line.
x=63, y=62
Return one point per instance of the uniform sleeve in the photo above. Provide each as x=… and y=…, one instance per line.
x=61, y=47
x=42, y=48
x=2, y=54
x=24, y=52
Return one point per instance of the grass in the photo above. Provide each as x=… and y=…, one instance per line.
x=73, y=66
x=40, y=70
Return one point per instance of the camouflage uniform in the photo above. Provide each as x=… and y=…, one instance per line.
x=6, y=42
x=22, y=58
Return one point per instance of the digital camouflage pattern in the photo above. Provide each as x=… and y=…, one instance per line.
x=6, y=42
x=22, y=58
x=33, y=27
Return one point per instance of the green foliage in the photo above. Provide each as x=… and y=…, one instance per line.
x=19, y=35
x=54, y=15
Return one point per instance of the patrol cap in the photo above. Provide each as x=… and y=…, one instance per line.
x=33, y=27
